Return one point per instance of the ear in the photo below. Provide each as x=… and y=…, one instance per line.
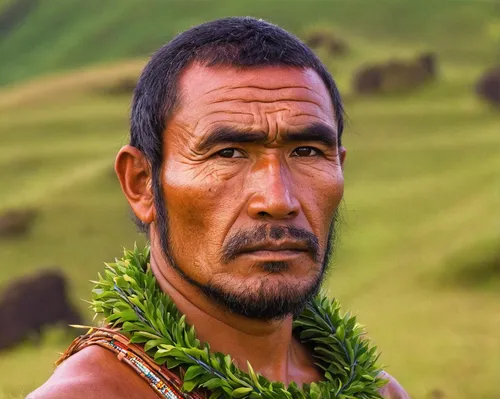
x=134, y=173
x=342, y=154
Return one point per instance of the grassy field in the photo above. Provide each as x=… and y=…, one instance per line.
x=47, y=36
x=418, y=257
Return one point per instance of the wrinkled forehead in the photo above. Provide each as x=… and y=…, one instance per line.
x=211, y=95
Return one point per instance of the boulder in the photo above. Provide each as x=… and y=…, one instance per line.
x=326, y=39
x=488, y=86
x=31, y=303
x=17, y=222
x=396, y=75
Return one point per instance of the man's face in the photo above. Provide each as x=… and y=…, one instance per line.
x=252, y=178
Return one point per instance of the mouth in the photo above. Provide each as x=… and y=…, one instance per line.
x=273, y=255
x=275, y=252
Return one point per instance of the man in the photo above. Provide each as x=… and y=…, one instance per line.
x=234, y=170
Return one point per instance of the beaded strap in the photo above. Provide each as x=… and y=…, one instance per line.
x=164, y=382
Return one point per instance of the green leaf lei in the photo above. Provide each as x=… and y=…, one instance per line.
x=130, y=298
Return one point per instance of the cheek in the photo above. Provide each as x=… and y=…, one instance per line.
x=336, y=191
x=326, y=184
x=200, y=207
x=323, y=199
x=333, y=195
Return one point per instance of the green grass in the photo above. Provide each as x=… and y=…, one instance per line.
x=422, y=201
x=64, y=34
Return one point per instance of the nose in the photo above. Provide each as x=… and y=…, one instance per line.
x=274, y=197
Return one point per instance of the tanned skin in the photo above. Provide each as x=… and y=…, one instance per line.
x=213, y=191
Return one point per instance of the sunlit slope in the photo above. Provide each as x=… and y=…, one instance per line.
x=46, y=36
x=422, y=187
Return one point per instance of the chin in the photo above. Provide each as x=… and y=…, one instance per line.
x=296, y=272
x=267, y=295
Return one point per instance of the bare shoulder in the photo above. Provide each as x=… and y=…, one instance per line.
x=93, y=373
x=393, y=389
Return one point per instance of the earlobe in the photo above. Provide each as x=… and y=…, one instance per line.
x=134, y=173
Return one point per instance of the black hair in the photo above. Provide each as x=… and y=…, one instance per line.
x=235, y=41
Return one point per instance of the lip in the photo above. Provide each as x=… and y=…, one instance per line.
x=292, y=246
x=275, y=252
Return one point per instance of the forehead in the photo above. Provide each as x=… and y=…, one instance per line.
x=250, y=96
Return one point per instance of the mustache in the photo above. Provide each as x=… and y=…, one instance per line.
x=266, y=233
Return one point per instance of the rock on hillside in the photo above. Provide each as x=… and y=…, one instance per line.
x=488, y=86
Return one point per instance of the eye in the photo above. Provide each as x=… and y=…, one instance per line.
x=305, y=152
x=230, y=153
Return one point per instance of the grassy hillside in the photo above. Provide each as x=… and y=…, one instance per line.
x=45, y=36
x=418, y=258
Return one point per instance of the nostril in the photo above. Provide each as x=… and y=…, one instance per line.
x=264, y=214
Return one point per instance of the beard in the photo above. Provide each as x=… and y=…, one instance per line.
x=266, y=300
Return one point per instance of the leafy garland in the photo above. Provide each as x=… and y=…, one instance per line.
x=129, y=297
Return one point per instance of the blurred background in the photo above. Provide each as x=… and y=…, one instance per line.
x=419, y=256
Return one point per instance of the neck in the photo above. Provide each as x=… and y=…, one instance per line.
x=268, y=345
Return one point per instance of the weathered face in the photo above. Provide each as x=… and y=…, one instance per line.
x=252, y=177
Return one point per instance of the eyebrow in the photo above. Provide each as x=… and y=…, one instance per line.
x=228, y=135
x=315, y=132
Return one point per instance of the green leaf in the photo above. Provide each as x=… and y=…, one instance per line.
x=173, y=363
x=188, y=386
x=138, y=339
x=148, y=335
x=340, y=332
x=241, y=392
x=253, y=376
x=153, y=343
x=215, y=395
x=212, y=384
x=193, y=372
